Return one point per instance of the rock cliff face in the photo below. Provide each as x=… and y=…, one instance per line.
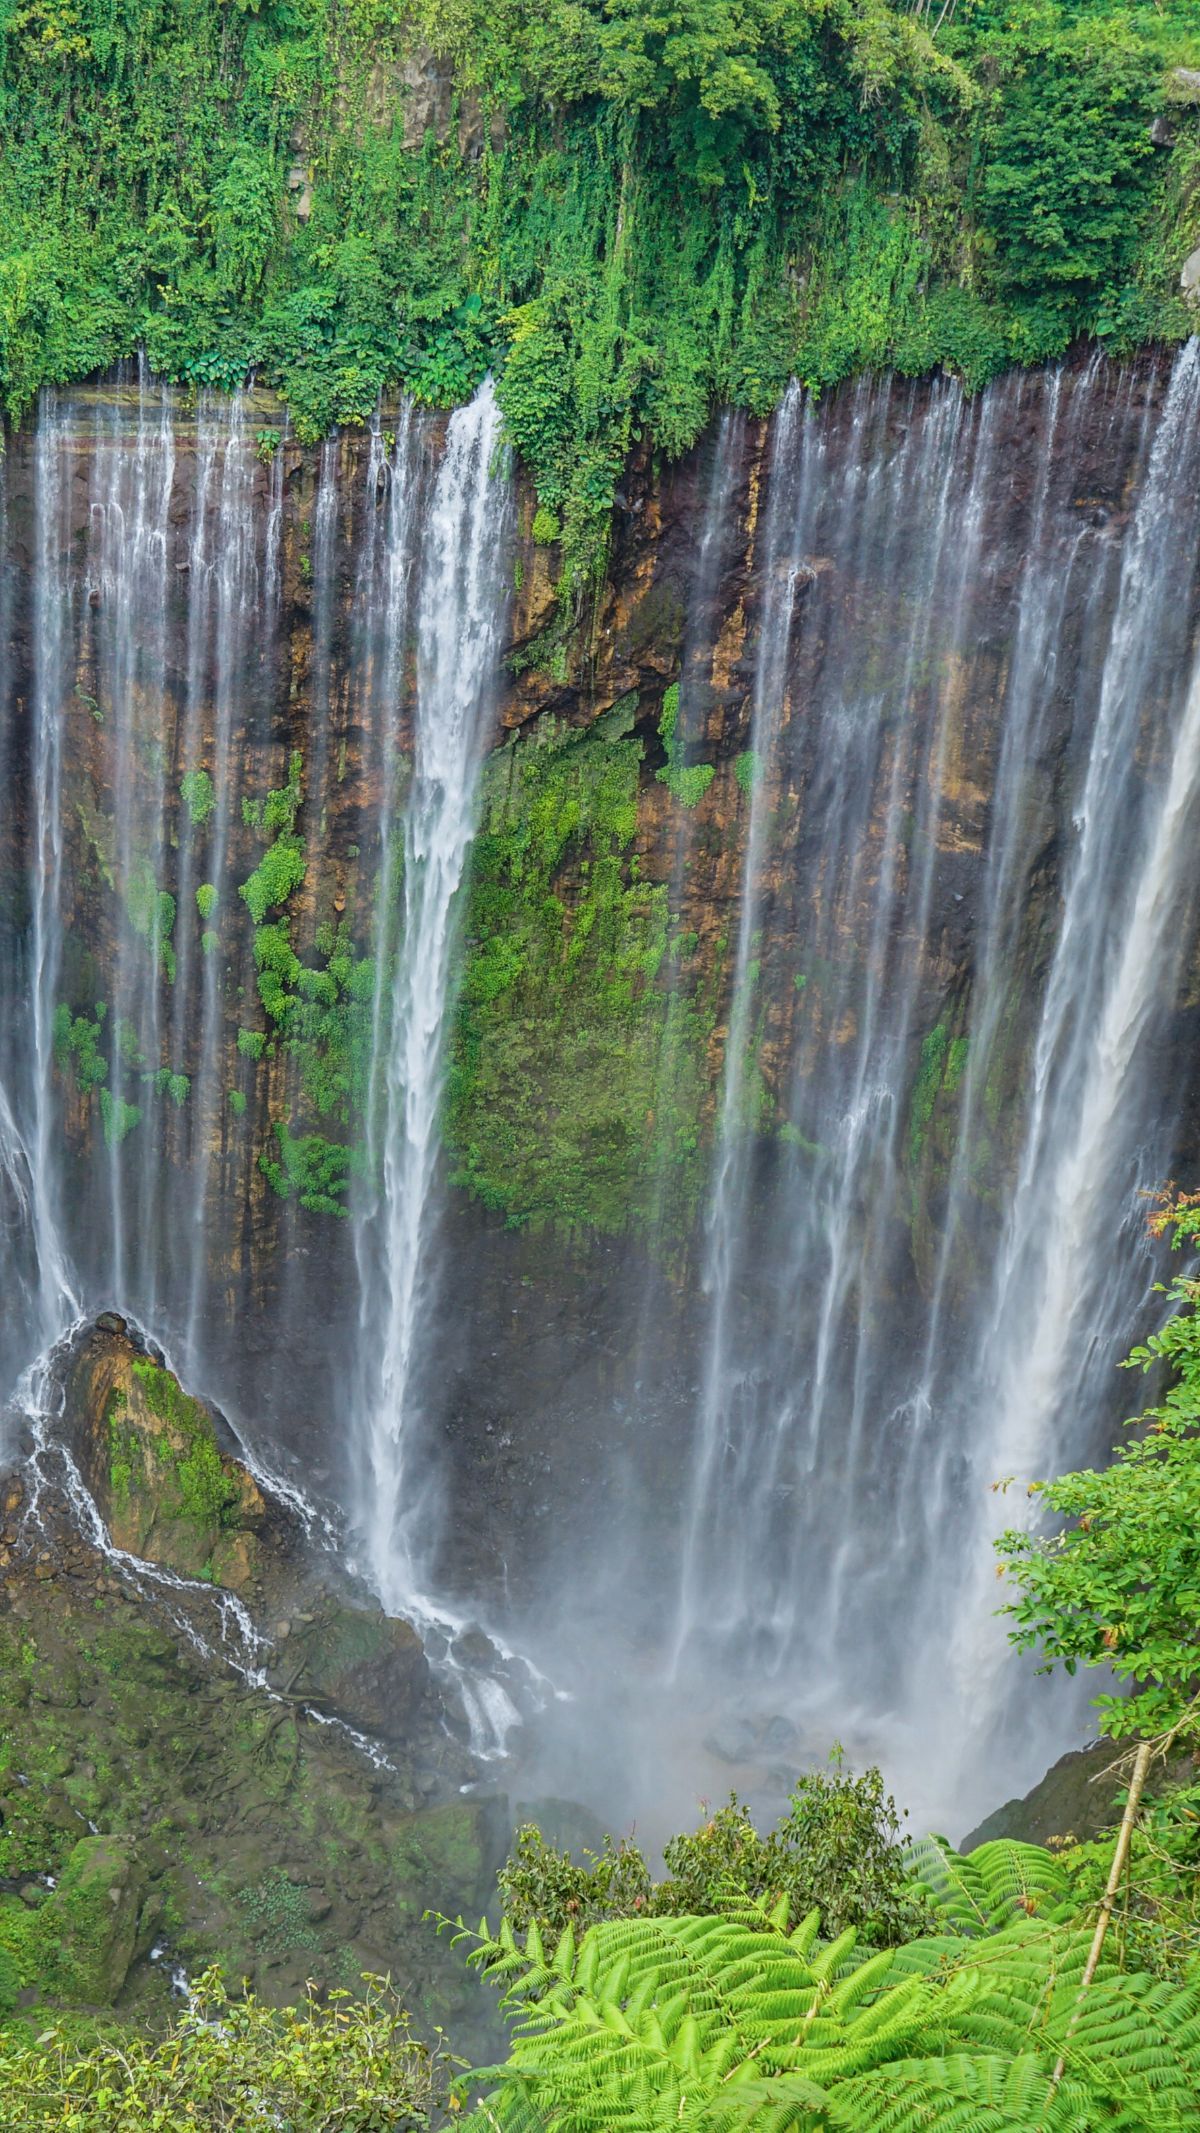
x=741, y=864
x=184, y=600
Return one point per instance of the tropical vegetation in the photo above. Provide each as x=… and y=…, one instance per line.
x=1115, y=1583
x=743, y=2019
x=626, y=208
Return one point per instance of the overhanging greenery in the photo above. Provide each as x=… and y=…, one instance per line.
x=628, y=208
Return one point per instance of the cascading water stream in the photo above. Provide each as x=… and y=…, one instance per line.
x=125, y=603
x=1089, y=1153
x=227, y=598
x=51, y=624
x=872, y=770
x=728, y=1208
x=458, y=618
x=843, y=1455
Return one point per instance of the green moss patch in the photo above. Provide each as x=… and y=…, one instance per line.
x=578, y=1064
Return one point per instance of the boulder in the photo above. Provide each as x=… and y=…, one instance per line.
x=166, y=1487
x=447, y=1857
x=85, y=1936
x=1189, y=279
x=358, y=1664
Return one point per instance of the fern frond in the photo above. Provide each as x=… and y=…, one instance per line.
x=962, y=2094
x=710, y=2025
x=984, y=1890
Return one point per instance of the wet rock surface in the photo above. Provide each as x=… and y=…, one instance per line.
x=1079, y=1796
x=169, y=1797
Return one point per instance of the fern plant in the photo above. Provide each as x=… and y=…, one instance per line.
x=992, y=1885
x=723, y=2023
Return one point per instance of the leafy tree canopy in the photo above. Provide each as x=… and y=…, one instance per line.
x=1117, y=1582
x=838, y=1849
x=628, y=209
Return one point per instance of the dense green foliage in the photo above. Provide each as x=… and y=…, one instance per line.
x=837, y=1851
x=319, y=1012
x=229, y=2065
x=1157, y=1923
x=732, y=2021
x=576, y=1088
x=1117, y=1584
x=626, y=208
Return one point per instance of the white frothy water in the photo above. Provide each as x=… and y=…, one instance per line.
x=459, y=615
x=1090, y=1149
x=458, y=620
x=837, y=1533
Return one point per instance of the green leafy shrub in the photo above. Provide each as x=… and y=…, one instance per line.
x=231, y=2063
x=199, y=797
x=279, y=871
x=838, y=1850
x=686, y=782
x=1157, y=1924
x=119, y=1118
x=315, y=1171
x=1069, y=158
x=207, y=1495
x=151, y=913
x=747, y=768
x=76, y=1041
x=246, y=218
x=1116, y=1582
x=206, y=899
x=727, y=2023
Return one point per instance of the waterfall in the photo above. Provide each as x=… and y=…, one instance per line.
x=850, y=1418
x=1093, y=1145
x=459, y=612
x=226, y=579
x=729, y=1206
x=870, y=765
x=931, y=923
x=147, y=638
x=124, y=588
x=51, y=625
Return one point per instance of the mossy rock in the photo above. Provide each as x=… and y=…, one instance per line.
x=448, y=1856
x=79, y=1944
x=150, y=1452
x=366, y=1667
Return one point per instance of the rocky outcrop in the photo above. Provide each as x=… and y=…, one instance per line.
x=160, y=1802
x=167, y=1488
x=1079, y=1796
x=74, y=1936
x=160, y=1468
x=355, y=1662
